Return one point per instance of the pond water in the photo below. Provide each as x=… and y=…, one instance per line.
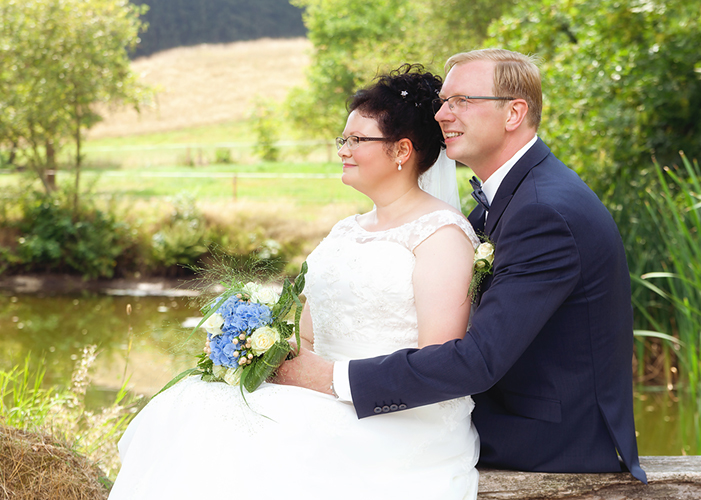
x=153, y=343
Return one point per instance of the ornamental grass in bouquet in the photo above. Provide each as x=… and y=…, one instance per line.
x=247, y=333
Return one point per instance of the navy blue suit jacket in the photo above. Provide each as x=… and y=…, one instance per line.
x=548, y=355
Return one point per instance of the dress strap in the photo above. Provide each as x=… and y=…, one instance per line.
x=428, y=224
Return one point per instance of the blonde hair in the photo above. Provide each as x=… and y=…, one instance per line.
x=515, y=75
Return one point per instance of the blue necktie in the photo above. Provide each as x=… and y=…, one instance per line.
x=478, y=194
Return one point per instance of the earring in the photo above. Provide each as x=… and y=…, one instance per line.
x=399, y=165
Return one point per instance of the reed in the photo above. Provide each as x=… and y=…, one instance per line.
x=61, y=412
x=673, y=206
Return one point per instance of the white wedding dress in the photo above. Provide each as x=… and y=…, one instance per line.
x=201, y=440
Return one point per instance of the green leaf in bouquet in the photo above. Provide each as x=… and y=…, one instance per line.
x=286, y=329
x=178, y=378
x=298, y=317
x=264, y=366
x=300, y=280
x=290, y=294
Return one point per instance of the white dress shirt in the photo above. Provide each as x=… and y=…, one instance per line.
x=341, y=379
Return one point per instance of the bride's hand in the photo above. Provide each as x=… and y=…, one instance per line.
x=306, y=370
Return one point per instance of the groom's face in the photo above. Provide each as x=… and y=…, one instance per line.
x=475, y=135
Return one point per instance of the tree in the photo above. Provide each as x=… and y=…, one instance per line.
x=176, y=23
x=622, y=79
x=354, y=41
x=59, y=59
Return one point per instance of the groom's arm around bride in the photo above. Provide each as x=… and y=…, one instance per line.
x=548, y=355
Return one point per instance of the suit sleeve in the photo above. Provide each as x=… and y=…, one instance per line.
x=536, y=268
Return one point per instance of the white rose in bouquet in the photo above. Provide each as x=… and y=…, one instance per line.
x=233, y=376
x=219, y=371
x=213, y=324
x=263, y=339
x=261, y=295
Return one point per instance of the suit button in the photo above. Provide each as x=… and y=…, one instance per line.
x=378, y=409
x=385, y=409
x=402, y=406
x=393, y=407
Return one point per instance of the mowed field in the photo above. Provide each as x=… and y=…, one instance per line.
x=209, y=84
x=205, y=96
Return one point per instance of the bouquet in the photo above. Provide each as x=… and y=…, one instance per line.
x=247, y=333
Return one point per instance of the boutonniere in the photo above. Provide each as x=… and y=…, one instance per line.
x=483, y=266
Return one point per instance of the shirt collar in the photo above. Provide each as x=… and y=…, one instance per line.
x=491, y=185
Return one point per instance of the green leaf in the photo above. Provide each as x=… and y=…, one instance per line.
x=178, y=378
x=658, y=335
x=264, y=366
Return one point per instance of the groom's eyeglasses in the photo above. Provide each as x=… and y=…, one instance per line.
x=458, y=103
x=353, y=141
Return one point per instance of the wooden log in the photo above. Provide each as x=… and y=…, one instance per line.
x=669, y=478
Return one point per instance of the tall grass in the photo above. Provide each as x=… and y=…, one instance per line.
x=674, y=209
x=61, y=412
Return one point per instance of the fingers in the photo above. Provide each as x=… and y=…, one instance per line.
x=306, y=370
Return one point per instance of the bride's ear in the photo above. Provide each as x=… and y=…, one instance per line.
x=403, y=150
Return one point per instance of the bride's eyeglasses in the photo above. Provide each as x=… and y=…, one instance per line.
x=353, y=141
x=458, y=103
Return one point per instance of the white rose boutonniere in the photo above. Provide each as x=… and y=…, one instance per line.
x=484, y=260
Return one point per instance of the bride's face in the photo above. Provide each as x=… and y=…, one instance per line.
x=368, y=164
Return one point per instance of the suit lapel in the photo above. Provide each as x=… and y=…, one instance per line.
x=512, y=181
x=476, y=218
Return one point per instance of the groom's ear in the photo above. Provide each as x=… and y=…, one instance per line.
x=517, y=111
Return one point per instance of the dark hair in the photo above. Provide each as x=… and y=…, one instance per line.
x=401, y=102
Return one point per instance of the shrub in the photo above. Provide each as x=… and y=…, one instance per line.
x=56, y=237
x=222, y=155
x=179, y=243
x=266, y=129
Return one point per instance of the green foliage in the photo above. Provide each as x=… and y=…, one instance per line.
x=176, y=23
x=181, y=239
x=222, y=155
x=353, y=42
x=56, y=238
x=675, y=212
x=266, y=129
x=26, y=404
x=59, y=58
x=622, y=79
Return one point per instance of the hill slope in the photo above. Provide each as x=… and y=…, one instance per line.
x=209, y=84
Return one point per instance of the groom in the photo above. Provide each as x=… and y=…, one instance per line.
x=548, y=355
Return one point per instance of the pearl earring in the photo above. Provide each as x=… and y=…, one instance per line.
x=399, y=165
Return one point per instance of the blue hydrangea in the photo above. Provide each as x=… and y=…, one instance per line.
x=239, y=317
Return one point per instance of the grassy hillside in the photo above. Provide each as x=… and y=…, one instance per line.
x=206, y=85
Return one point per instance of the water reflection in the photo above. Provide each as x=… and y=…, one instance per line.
x=666, y=423
x=153, y=344
x=148, y=346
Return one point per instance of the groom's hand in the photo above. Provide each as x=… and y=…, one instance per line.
x=306, y=370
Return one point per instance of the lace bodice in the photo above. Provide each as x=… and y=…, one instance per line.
x=359, y=286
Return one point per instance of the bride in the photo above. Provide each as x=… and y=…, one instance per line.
x=393, y=278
